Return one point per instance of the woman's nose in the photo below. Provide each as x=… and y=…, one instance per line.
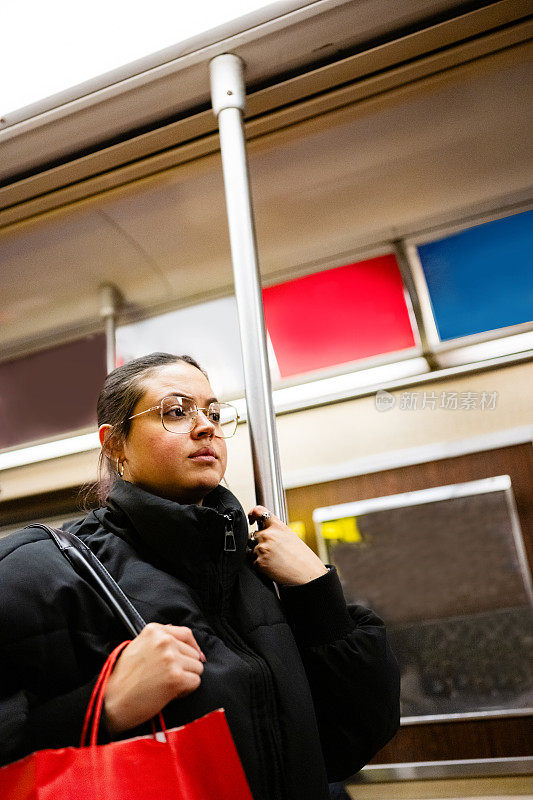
x=203, y=424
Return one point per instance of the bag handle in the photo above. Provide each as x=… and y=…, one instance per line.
x=89, y=567
x=97, y=700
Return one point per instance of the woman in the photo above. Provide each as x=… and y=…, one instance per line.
x=310, y=687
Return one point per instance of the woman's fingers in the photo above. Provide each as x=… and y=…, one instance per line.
x=189, y=684
x=192, y=665
x=263, y=517
x=258, y=511
x=185, y=636
x=179, y=637
x=187, y=651
x=280, y=553
x=163, y=663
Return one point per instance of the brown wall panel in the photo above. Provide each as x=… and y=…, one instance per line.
x=491, y=738
x=515, y=461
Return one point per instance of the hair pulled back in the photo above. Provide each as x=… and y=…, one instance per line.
x=122, y=390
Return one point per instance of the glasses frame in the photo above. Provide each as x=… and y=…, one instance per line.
x=194, y=418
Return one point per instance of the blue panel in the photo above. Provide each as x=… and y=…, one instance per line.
x=482, y=278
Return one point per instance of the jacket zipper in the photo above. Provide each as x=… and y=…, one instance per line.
x=263, y=681
x=237, y=645
x=230, y=545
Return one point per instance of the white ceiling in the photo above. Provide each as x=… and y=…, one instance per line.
x=329, y=186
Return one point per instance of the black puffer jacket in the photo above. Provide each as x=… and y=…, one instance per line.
x=310, y=687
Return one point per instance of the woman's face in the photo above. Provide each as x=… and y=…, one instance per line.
x=166, y=463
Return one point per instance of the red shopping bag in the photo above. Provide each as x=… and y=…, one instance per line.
x=197, y=761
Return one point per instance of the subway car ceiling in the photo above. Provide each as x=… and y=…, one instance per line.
x=345, y=158
x=313, y=43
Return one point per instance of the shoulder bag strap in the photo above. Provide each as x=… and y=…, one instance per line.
x=89, y=567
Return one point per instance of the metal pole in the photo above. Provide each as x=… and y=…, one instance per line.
x=228, y=98
x=109, y=298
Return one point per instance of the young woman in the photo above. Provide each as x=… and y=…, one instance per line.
x=309, y=685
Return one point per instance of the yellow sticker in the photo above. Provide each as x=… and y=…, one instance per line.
x=344, y=530
x=298, y=527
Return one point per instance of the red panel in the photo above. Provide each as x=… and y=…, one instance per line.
x=337, y=316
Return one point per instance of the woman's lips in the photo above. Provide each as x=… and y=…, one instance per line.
x=206, y=454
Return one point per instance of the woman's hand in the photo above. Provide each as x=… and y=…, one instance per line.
x=164, y=662
x=281, y=554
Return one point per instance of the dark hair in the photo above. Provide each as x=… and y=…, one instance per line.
x=122, y=390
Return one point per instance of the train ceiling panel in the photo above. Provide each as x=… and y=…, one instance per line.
x=70, y=139
x=274, y=42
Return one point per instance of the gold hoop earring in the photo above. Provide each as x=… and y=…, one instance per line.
x=120, y=467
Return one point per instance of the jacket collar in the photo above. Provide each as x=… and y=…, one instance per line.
x=184, y=540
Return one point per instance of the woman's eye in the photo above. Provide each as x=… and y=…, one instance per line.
x=214, y=416
x=175, y=412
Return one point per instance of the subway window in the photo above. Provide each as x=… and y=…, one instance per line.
x=51, y=392
x=481, y=279
x=208, y=331
x=338, y=316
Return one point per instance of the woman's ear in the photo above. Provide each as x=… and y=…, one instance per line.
x=111, y=447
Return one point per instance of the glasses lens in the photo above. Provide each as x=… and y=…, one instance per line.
x=224, y=418
x=178, y=414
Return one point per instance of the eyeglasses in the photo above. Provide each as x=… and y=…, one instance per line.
x=180, y=415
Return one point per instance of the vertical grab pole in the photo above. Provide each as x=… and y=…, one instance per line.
x=109, y=299
x=228, y=98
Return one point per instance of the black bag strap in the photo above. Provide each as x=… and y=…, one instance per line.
x=89, y=567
